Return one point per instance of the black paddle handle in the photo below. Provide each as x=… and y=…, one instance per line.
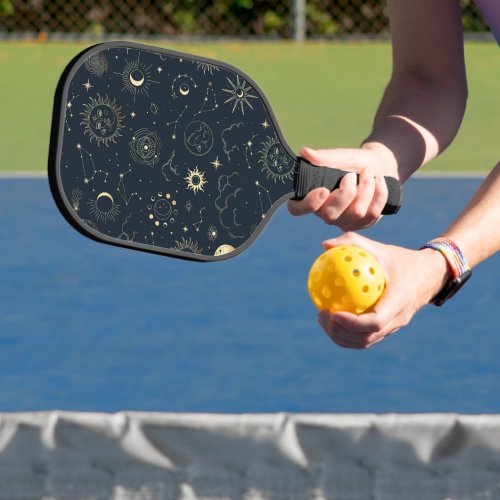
x=309, y=177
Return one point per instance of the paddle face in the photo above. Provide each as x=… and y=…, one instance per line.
x=165, y=152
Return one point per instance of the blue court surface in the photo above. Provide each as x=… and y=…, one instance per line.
x=90, y=327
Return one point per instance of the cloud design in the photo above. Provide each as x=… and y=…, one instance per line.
x=231, y=138
x=231, y=206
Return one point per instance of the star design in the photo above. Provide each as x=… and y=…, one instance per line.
x=185, y=229
x=159, y=69
x=216, y=163
x=265, y=124
x=87, y=85
x=78, y=146
x=69, y=105
x=133, y=115
x=249, y=144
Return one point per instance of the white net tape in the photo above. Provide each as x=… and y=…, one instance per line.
x=162, y=456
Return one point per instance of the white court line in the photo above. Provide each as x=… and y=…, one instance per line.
x=453, y=174
x=11, y=174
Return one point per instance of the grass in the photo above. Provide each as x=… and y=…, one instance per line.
x=323, y=94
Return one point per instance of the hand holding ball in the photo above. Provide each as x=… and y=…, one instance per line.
x=346, y=278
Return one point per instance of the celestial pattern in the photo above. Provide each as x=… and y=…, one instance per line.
x=145, y=147
x=275, y=161
x=195, y=180
x=102, y=120
x=104, y=207
x=169, y=153
x=188, y=245
x=136, y=77
x=97, y=64
x=240, y=93
x=198, y=138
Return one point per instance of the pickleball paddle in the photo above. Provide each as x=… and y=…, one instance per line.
x=170, y=153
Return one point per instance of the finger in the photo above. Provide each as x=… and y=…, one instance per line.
x=380, y=196
x=365, y=191
x=311, y=203
x=362, y=324
x=338, y=334
x=338, y=201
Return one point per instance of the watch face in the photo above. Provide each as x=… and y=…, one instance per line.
x=451, y=288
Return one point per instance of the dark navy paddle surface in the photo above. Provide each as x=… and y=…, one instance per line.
x=165, y=152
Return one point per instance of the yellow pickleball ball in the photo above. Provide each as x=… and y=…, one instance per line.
x=346, y=278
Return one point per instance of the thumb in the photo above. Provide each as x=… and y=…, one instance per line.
x=339, y=158
x=349, y=238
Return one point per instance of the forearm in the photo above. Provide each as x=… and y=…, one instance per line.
x=424, y=103
x=477, y=230
x=416, y=120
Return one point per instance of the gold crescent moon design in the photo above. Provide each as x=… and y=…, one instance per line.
x=182, y=87
x=134, y=82
x=224, y=249
x=106, y=195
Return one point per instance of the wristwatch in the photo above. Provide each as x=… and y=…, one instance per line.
x=460, y=270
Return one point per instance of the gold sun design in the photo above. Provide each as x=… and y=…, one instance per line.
x=102, y=119
x=239, y=94
x=195, y=180
x=188, y=245
x=276, y=163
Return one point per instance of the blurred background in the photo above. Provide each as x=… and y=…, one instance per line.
x=283, y=19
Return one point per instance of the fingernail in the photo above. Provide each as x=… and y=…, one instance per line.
x=323, y=194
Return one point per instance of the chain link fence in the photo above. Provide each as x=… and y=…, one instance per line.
x=297, y=19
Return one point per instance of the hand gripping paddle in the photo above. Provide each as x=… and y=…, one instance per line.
x=174, y=154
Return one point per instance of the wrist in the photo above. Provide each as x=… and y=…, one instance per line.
x=437, y=272
x=457, y=266
x=386, y=157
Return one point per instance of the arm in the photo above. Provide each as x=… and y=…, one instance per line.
x=415, y=277
x=419, y=114
x=424, y=103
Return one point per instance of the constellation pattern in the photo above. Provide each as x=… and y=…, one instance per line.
x=209, y=101
x=172, y=153
x=175, y=122
x=121, y=188
x=88, y=166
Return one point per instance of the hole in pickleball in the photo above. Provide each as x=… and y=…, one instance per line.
x=339, y=281
x=327, y=293
x=360, y=309
x=348, y=258
x=331, y=268
x=366, y=289
x=317, y=300
x=317, y=276
x=372, y=270
x=346, y=299
x=356, y=273
x=379, y=288
x=363, y=254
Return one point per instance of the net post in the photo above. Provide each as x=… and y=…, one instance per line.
x=299, y=20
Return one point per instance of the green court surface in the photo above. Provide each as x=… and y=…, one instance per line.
x=323, y=94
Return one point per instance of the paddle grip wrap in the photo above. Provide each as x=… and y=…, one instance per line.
x=310, y=177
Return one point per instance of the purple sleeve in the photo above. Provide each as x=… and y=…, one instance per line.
x=490, y=9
